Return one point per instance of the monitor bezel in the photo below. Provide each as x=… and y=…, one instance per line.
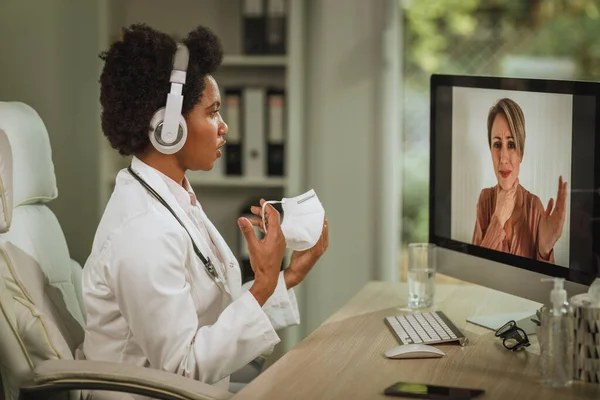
x=519, y=84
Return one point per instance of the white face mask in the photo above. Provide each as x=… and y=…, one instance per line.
x=303, y=218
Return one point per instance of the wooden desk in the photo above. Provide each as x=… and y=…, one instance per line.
x=343, y=358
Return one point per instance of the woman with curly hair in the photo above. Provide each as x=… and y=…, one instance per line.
x=161, y=287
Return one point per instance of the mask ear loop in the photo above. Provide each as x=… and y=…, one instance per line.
x=263, y=211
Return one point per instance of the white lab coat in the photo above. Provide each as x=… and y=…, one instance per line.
x=150, y=302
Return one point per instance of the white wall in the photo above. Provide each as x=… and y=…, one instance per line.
x=49, y=60
x=547, y=154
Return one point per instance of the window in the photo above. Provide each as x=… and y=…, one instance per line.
x=555, y=39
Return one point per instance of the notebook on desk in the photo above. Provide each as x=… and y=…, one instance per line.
x=428, y=327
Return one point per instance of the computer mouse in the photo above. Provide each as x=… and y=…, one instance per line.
x=414, y=351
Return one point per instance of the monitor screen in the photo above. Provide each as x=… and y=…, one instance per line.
x=513, y=178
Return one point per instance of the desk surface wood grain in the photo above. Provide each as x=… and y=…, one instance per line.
x=344, y=357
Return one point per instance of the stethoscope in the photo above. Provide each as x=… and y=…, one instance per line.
x=208, y=264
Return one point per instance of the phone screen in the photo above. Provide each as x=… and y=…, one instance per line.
x=422, y=391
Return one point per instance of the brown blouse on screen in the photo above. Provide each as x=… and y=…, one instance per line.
x=526, y=218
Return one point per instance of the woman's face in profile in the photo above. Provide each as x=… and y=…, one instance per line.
x=205, y=131
x=505, y=154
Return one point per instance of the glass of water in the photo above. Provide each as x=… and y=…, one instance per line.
x=421, y=274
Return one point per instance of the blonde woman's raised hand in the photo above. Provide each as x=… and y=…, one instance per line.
x=552, y=221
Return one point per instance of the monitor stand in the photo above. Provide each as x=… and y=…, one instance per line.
x=495, y=321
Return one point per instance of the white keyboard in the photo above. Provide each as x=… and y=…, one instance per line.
x=425, y=327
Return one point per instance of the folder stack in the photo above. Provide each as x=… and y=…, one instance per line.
x=257, y=132
x=264, y=26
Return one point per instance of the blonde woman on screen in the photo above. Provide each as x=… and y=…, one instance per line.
x=510, y=218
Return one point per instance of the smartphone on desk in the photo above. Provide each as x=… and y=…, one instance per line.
x=423, y=391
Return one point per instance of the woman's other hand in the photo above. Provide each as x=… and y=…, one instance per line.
x=302, y=261
x=552, y=221
x=505, y=203
x=266, y=254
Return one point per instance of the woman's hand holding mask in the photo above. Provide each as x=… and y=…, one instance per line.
x=301, y=261
x=505, y=203
x=552, y=221
x=266, y=254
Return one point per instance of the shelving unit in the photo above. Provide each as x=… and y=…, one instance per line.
x=234, y=181
x=222, y=197
x=236, y=60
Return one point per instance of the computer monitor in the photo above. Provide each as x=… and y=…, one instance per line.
x=498, y=149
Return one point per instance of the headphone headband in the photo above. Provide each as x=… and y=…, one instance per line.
x=180, y=61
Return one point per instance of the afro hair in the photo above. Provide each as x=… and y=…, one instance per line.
x=135, y=81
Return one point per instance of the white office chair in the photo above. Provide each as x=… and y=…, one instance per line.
x=41, y=310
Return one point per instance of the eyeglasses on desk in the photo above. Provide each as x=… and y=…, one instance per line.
x=513, y=337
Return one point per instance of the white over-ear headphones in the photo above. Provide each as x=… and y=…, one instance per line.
x=168, y=130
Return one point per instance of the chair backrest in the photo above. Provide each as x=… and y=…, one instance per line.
x=41, y=309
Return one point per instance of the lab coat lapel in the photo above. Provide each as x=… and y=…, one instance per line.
x=156, y=182
x=234, y=276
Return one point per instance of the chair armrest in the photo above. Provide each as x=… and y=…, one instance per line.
x=61, y=375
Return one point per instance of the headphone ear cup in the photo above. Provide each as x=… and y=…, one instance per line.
x=155, y=133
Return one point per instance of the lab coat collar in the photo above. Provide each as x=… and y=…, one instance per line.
x=182, y=192
x=152, y=177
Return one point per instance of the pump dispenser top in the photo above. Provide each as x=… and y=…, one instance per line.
x=558, y=295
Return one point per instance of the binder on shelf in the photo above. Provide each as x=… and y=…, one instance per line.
x=253, y=141
x=276, y=133
x=254, y=26
x=276, y=25
x=233, y=154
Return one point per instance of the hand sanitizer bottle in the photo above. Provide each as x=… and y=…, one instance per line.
x=556, y=338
